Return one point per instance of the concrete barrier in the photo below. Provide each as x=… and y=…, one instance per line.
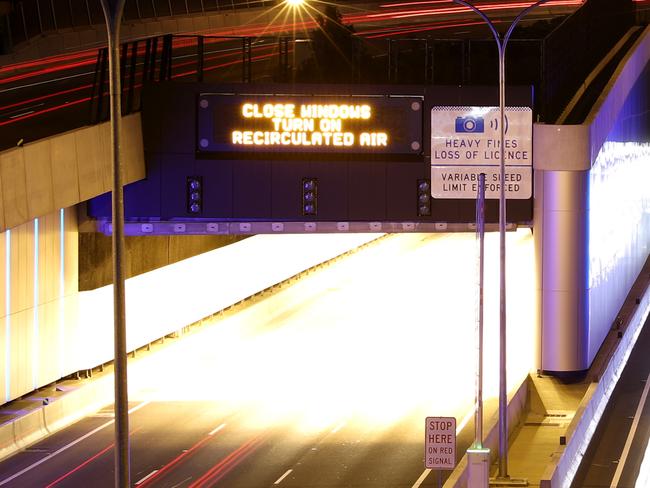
x=566, y=461
x=517, y=408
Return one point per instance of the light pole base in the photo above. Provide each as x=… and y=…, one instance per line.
x=508, y=481
x=478, y=463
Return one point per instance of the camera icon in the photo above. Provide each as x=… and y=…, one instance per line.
x=470, y=124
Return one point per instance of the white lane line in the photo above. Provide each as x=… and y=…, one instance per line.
x=54, y=80
x=214, y=431
x=338, y=427
x=33, y=106
x=459, y=427
x=283, y=477
x=464, y=422
x=630, y=435
x=67, y=446
x=20, y=115
x=421, y=479
x=146, y=477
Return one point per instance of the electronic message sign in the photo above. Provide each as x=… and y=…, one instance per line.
x=313, y=124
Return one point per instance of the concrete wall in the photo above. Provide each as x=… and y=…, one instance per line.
x=143, y=254
x=63, y=170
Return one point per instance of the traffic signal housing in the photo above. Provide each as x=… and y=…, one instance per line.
x=309, y=196
x=194, y=195
x=424, y=197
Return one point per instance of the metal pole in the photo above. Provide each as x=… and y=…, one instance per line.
x=38, y=13
x=503, y=389
x=22, y=15
x=56, y=27
x=113, y=14
x=480, y=221
x=71, y=13
x=90, y=18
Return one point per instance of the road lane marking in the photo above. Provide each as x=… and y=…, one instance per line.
x=20, y=115
x=214, y=431
x=67, y=446
x=459, y=427
x=422, y=477
x=85, y=463
x=630, y=435
x=283, y=477
x=146, y=477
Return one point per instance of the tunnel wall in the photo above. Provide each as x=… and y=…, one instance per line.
x=619, y=212
x=38, y=306
x=49, y=329
x=142, y=254
x=592, y=216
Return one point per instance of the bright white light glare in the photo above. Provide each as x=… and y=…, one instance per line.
x=377, y=337
x=294, y=3
x=643, y=479
x=619, y=230
x=481, y=111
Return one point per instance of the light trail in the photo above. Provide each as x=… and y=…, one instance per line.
x=44, y=71
x=72, y=61
x=71, y=103
x=45, y=97
x=68, y=446
x=85, y=58
x=45, y=111
x=48, y=60
x=227, y=464
x=409, y=14
x=426, y=29
x=184, y=456
x=86, y=462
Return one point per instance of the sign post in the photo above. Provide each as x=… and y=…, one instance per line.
x=113, y=15
x=502, y=43
x=440, y=443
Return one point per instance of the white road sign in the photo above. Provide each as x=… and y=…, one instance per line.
x=471, y=135
x=440, y=443
x=462, y=181
x=465, y=141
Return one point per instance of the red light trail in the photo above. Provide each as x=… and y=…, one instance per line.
x=391, y=12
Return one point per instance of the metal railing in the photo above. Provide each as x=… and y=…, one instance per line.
x=553, y=65
x=227, y=59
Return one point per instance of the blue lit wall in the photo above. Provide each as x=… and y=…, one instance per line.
x=619, y=212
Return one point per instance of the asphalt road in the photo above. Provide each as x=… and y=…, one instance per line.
x=618, y=446
x=324, y=383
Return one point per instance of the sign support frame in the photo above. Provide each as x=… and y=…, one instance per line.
x=503, y=392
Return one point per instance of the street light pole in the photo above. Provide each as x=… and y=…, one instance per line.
x=503, y=389
x=113, y=15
